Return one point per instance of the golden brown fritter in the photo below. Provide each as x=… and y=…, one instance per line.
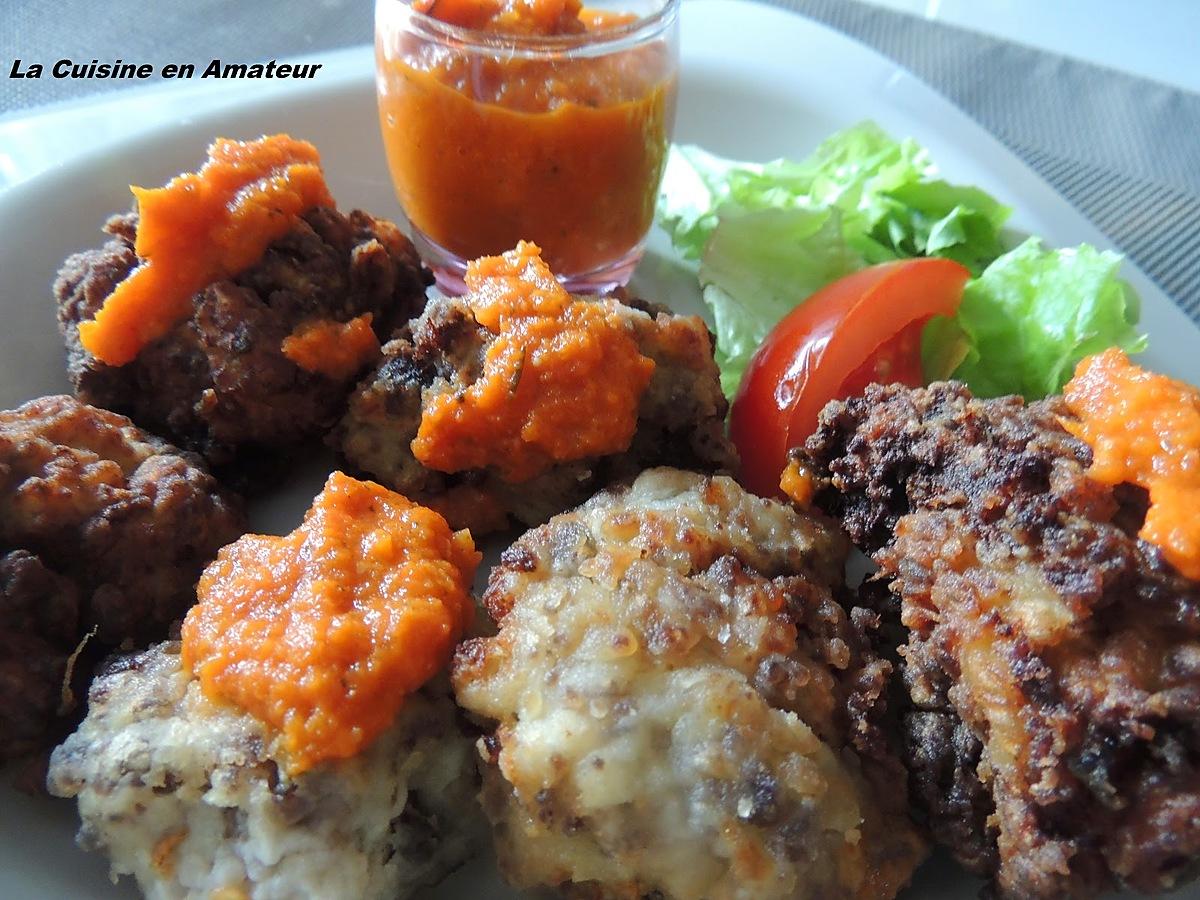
x=1052, y=658
x=681, y=417
x=39, y=627
x=681, y=708
x=104, y=530
x=219, y=381
x=185, y=795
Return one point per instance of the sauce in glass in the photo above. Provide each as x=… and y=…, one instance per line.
x=556, y=145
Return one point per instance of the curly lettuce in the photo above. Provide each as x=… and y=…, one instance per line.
x=892, y=203
x=1029, y=319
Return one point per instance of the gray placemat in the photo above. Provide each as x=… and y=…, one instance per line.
x=1124, y=150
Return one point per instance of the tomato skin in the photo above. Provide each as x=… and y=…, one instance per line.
x=896, y=360
x=831, y=345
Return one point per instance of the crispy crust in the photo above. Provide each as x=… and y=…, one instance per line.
x=680, y=419
x=1052, y=659
x=40, y=613
x=219, y=382
x=681, y=706
x=103, y=532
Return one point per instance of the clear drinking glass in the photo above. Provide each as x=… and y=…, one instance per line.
x=560, y=140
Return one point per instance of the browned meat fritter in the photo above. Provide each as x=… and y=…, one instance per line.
x=681, y=707
x=681, y=417
x=104, y=530
x=1052, y=658
x=39, y=627
x=219, y=380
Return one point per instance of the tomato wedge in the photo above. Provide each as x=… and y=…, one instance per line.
x=862, y=328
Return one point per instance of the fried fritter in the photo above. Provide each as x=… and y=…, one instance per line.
x=681, y=707
x=681, y=417
x=1052, y=658
x=39, y=628
x=219, y=380
x=182, y=794
x=104, y=530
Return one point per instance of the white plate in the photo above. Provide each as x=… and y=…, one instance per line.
x=757, y=83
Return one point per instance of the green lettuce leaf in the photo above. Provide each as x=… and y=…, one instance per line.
x=758, y=266
x=1028, y=320
x=695, y=185
x=892, y=203
x=934, y=218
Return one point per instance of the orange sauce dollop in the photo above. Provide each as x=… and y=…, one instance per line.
x=202, y=227
x=797, y=483
x=486, y=148
x=562, y=379
x=321, y=633
x=1144, y=429
x=331, y=348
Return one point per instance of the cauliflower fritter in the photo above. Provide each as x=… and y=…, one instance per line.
x=682, y=709
x=1052, y=658
x=680, y=419
x=219, y=380
x=104, y=530
x=182, y=795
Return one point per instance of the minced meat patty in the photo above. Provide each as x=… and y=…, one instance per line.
x=219, y=380
x=680, y=420
x=182, y=794
x=1051, y=657
x=104, y=530
x=680, y=708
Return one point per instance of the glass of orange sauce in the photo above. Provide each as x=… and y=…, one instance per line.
x=538, y=120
